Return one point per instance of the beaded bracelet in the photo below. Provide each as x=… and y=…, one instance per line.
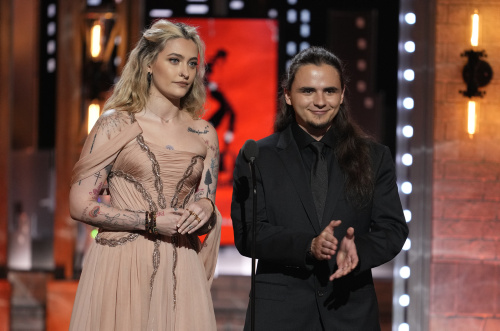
x=150, y=223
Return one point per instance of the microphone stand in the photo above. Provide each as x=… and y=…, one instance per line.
x=254, y=223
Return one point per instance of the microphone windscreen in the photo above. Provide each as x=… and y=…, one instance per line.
x=250, y=150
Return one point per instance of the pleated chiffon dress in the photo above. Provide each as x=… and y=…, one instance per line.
x=133, y=280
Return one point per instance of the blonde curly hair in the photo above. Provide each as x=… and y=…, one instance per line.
x=131, y=91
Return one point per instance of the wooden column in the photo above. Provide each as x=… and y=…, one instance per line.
x=68, y=101
x=5, y=118
x=5, y=142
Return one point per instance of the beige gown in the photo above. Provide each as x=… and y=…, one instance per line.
x=132, y=281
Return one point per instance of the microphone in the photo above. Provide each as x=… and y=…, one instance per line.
x=250, y=150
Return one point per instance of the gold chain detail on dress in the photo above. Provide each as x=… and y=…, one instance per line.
x=156, y=172
x=116, y=242
x=174, y=265
x=180, y=184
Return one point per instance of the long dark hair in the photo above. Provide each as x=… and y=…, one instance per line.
x=353, y=145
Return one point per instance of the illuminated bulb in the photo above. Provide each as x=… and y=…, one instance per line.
x=474, y=40
x=95, y=41
x=94, y=110
x=408, y=103
x=410, y=18
x=408, y=131
x=406, y=187
x=404, y=272
x=410, y=46
x=471, y=118
x=407, y=244
x=407, y=159
x=407, y=214
x=409, y=74
x=404, y=300
x=404, y=327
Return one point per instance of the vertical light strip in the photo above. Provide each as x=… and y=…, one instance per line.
x=93, y=115
x=474, y=40
x=471, y=118
x=95, y=40
x=414, y=162
x=406, y=104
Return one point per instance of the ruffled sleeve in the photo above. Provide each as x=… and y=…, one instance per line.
x=101, y=157
x=210, y=248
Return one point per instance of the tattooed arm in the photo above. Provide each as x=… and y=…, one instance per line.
x=84, y=205
x=208, y=184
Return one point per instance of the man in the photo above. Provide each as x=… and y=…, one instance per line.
x=326, y=214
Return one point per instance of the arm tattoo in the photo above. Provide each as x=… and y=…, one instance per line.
x=95, y=192
x=110, y=221
x=112, y=123
x=92, y=147
x=205, y=131
x=97, y=175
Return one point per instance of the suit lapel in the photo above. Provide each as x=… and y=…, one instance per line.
x=290, y=156
x=335, y=189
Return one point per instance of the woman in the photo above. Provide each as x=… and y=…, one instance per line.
x=147, y=269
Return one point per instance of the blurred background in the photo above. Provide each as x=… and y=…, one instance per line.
x=421, y=82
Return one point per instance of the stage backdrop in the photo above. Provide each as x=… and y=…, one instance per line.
x=242, y=59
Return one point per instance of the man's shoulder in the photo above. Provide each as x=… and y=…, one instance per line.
x=269, y=141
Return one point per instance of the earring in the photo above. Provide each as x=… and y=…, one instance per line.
x=150, y=76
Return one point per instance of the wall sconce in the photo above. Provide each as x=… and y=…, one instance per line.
x=95, y=40
x=101, y=32
x=476, y=73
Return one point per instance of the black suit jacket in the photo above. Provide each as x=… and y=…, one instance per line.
x=293, y=291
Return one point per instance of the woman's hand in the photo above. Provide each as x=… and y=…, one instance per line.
x=195, y=216
x=167, y=220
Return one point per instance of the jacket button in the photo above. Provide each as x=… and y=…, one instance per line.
x=320, y=293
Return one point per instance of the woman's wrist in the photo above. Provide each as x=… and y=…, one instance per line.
x=212, y=205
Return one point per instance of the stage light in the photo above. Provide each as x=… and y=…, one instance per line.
x=410, y=46
x=474, y=40
x=410, y=18
x=407, y=245
x=272, y=13
x=51, y=65
x=196, y=9
x=93, y=115
x=409, y=75
x=160, y=13
x=407, y=214
x=404, y=327
x=407, y=159
x=305, y=16
x=404, y=272
x=305, y=30
x=406, y=187
x=408, y=103
x=291, y=16
x=236, y=5
x=407, y=131
x=471, y=118
x=304, y=45
x=51, y=10
x=95, y=40
x=291, y=48
x=404, y=300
